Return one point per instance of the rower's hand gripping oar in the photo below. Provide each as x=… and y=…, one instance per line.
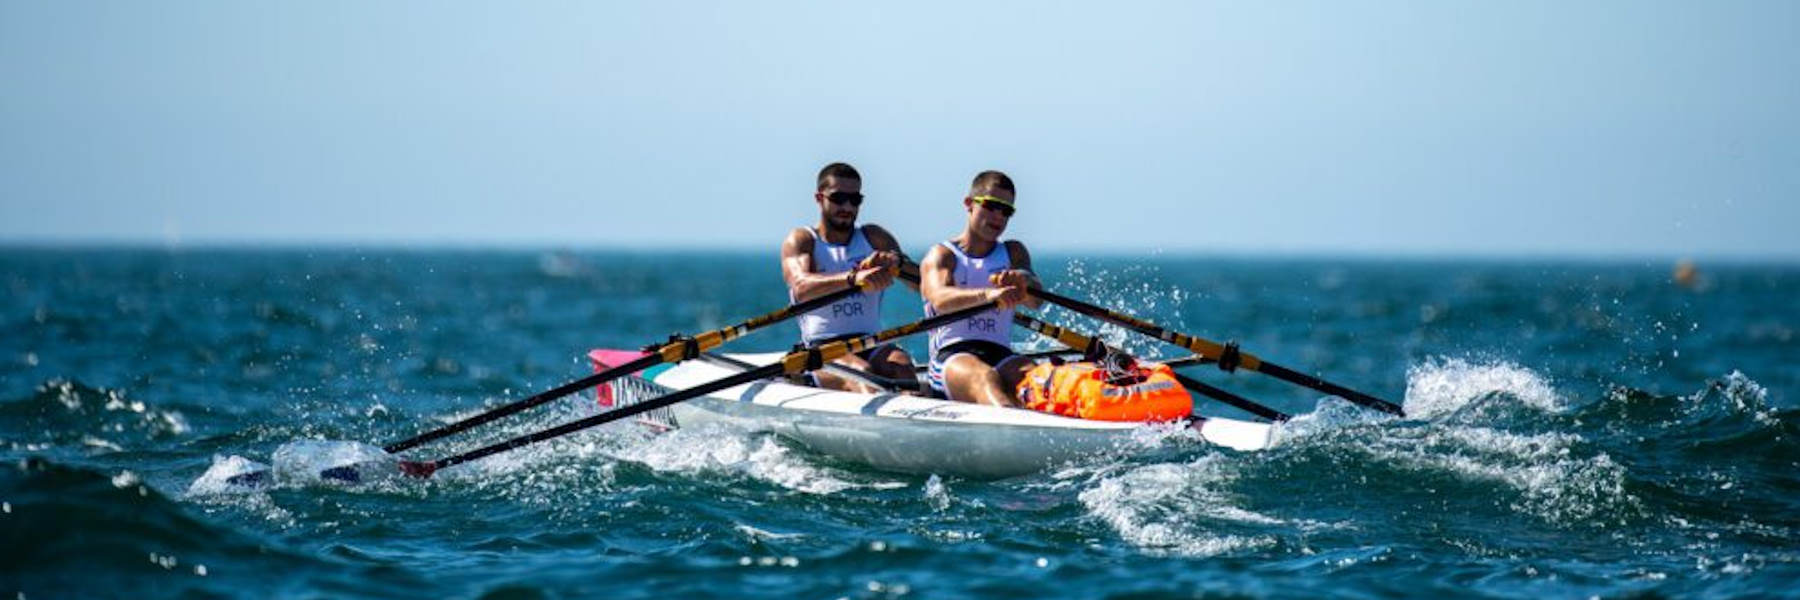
x=1090, y=344
x=910, y=272
x=1227, y=355
x=793, y=363
x=676, y=350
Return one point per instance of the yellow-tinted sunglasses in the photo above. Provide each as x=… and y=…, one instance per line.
x=1001, y=205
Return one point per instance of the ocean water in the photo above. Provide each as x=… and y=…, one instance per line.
x=1573, y=429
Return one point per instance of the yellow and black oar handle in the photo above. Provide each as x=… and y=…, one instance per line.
x=1227, y=355
x=677, y=349
x=795, y=362
x=1092, y=346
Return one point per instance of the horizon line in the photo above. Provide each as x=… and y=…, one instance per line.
x=1299, y=253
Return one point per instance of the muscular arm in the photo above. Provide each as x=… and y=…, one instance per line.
x=797, y=268
x=939, y=288
x=1021, y=262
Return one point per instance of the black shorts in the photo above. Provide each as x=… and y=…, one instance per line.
x=991, y=353
x=985, y=351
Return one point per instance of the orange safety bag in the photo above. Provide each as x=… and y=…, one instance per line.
x=1083, y=389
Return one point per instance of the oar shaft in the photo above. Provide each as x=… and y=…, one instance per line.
x=1188, y=361
x=1203, y=347
x=1074, y=339
x=1233, y=399
x=610, y=416
x=674, y=351
x=1218, y=352
x=644, y=362
x=1291, y=376
x=793, y=362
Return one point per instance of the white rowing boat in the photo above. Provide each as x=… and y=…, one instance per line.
x=892, y=431
x=896, y=431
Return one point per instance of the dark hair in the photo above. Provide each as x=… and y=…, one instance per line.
x=838, y=170
x=992, y=180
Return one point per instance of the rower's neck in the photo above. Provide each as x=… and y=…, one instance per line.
x=833, y=235
x=974, y=246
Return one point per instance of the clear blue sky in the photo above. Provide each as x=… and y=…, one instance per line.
x=1542, y=128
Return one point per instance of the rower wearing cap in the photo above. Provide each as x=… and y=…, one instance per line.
x=972, y=360
x=836, y=253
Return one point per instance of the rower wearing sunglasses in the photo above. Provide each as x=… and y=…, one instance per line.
x=832, y=255
x=972, y=360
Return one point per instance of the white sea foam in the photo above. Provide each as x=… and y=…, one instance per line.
x=151, y=420
x=311, y=462
x=1442, y=387
x=713, y=449
x=567, y=458
x=936, y=494
x=756, y=534
x=1130, y=290
x=1548, y=475
x=1157, y=435
x=1332, y=414
x=218, y=478
x=1174, y=508
x=538, y=471
x=1745, y=395
x=1553, y=482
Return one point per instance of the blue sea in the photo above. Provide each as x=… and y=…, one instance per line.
x=1573, y=429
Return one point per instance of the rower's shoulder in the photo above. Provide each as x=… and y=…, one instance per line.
x=879, y=237
x=938, y=256
x=1017, y=254
x=800, y=240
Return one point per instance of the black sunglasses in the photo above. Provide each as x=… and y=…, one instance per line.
x=850, y=198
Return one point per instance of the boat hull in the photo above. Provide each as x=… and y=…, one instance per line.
x=906, y=433
x=908, y=446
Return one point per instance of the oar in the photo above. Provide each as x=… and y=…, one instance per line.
x=793, y=363
x=1227, y=355
x=1073, y=339
x=676, y=350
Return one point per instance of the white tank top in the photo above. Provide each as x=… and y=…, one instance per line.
x=857, y=314
x=992, y=325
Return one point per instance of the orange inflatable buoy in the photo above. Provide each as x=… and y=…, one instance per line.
x=1149, y=392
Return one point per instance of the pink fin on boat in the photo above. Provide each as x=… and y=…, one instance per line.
x=603, y=359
